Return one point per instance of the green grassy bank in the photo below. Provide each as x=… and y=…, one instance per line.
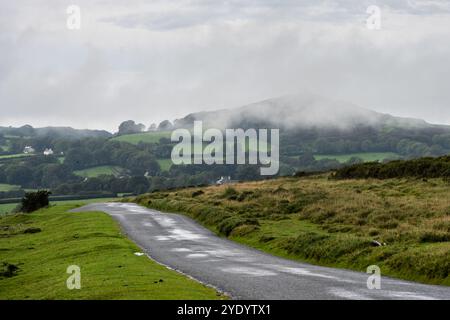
x=331, y=222
x=43, y=244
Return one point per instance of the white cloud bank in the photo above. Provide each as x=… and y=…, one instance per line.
x=152, y=60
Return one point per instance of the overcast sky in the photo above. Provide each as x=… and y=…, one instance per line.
x=156, y=60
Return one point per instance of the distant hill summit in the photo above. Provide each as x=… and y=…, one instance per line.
x=301, y=111
x=311, y=124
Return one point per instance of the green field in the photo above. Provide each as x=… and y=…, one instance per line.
x=147, y=137
x=8, y=187
x=5, y=208
x=98, y=171
x=165, y=164
x=154, y=137
x=93, y=241
x=365, y=156
x=12, y=156
x=330, y=222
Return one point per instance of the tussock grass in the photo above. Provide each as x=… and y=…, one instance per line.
x=331, y=222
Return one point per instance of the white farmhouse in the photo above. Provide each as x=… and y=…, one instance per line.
x=224, y=180
x=28, y=150
x=48, y=152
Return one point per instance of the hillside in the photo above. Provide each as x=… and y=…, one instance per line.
x=316, y=135
x=302, y=111
x=312, y=124
x=400, y=225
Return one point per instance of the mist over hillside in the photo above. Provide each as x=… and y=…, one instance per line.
x=300, y=111
x=304, y=111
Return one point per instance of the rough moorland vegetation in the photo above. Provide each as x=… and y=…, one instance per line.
x=421, y=168
x=402, y=225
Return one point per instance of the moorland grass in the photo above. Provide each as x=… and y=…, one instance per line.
x=330, y=222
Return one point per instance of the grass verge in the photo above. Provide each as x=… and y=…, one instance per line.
x=43, y=244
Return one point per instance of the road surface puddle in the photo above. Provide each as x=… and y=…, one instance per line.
x=257, y=272
x=300, y=271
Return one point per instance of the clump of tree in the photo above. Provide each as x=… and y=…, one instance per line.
x=165, y=125
x=33, y=201
x=130, y=127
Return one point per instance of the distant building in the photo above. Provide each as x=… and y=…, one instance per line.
x=28, y=149
x=48, y=152
x=224, y=180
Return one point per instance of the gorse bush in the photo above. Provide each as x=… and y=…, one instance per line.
x=327, y=248
x=230, y=194
x=197, y=193
x=35, y=200
x=228, y=225
x=420, y=168
x=434, y=236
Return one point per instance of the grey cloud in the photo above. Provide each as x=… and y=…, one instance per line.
x=201, y=12
x=123, y=69
x=204, y=12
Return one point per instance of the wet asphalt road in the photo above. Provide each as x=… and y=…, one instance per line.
x=244, y=273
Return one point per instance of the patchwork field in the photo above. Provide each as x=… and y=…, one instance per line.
x=43, y=244
x=8, y=187
x=147, y=137
x=98, y=171
x=165, y=164
x=5, y=208
x=11, y=156
x=401, y=225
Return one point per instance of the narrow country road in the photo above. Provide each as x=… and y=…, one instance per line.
x=244, y=273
